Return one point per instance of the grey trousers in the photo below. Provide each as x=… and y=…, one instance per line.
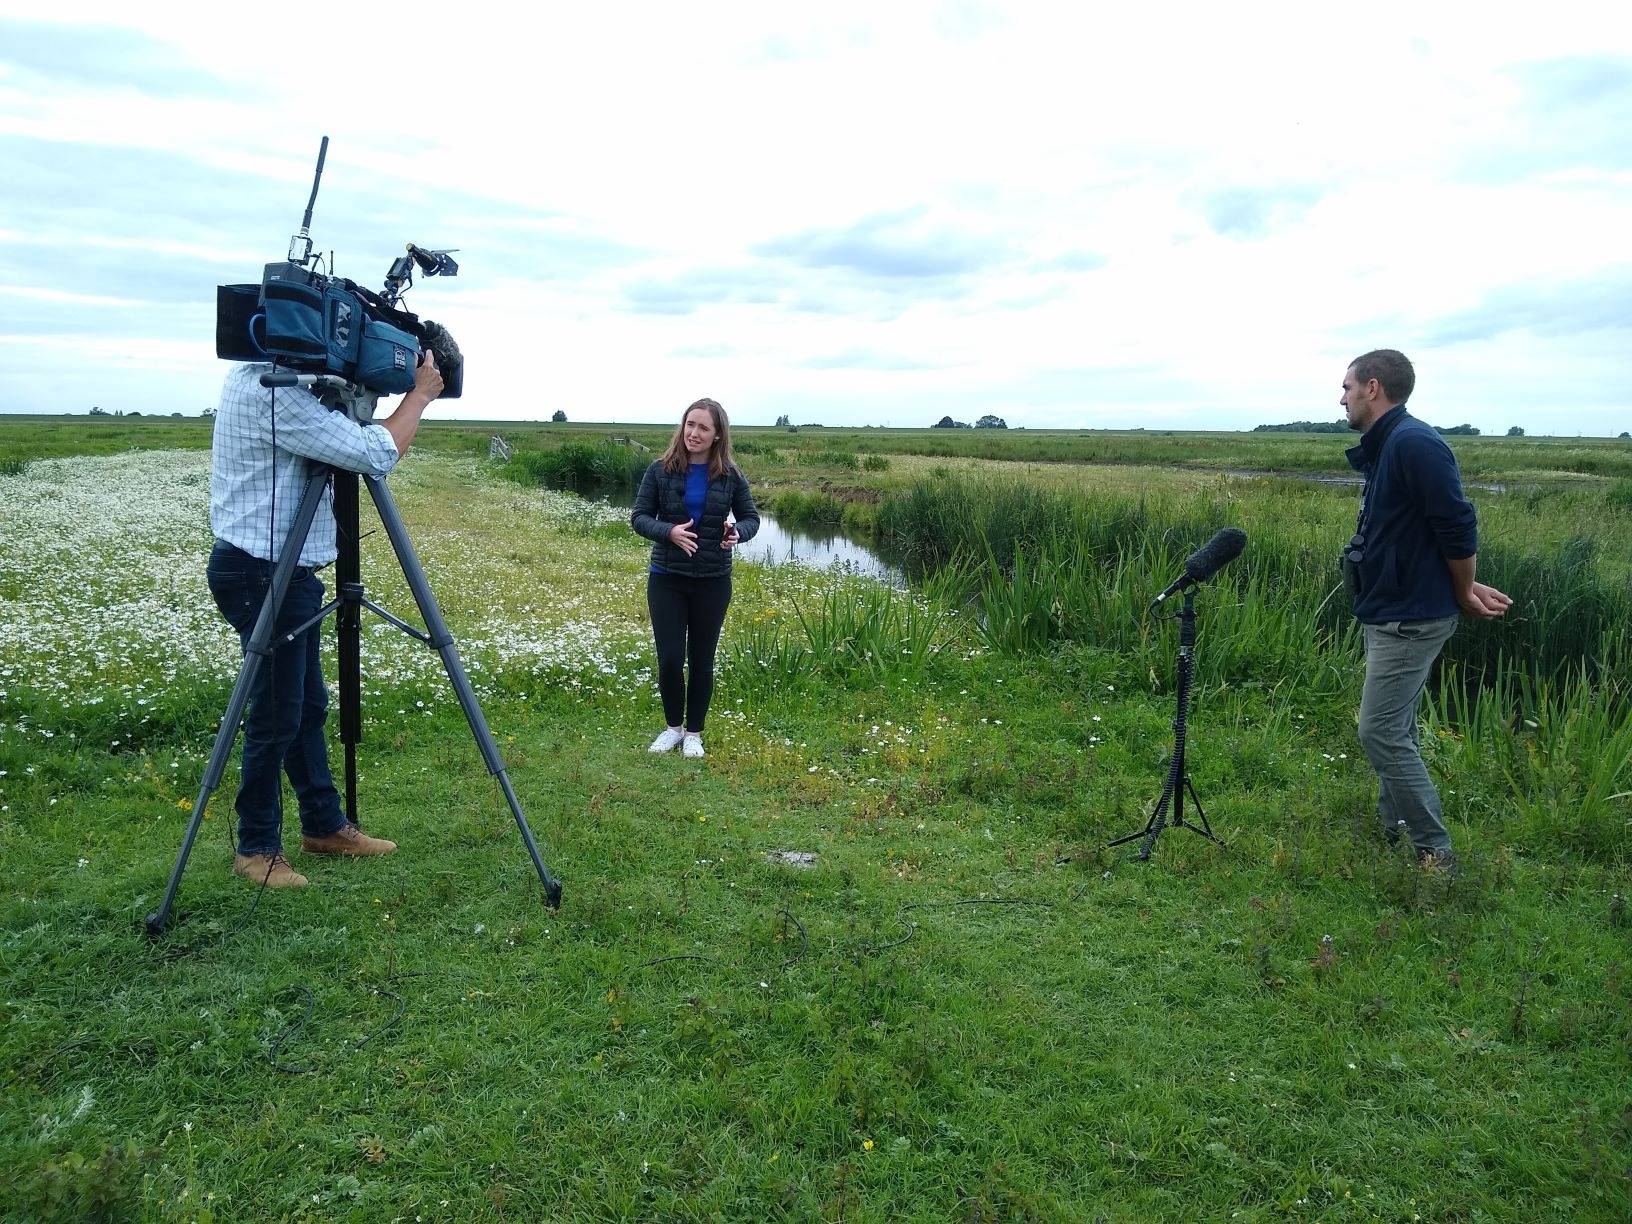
x=1399, y=656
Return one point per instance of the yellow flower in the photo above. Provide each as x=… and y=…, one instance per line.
x=866, y=1145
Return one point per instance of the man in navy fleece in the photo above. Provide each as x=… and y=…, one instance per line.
x=1410, y=569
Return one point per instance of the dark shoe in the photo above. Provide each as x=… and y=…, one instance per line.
x=1444, y=864
x=273, y=870
x=347, y=840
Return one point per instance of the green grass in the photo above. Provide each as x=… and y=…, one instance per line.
x=968, y=1009
x=1518, y=460
x=1496, y=459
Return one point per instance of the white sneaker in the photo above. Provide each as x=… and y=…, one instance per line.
x=693, y=746
x=667, y=741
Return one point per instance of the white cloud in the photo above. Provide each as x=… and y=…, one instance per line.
x=858, y=213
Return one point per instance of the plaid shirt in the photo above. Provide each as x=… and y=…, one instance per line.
x=267, y=441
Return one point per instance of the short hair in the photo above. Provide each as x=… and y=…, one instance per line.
x=1391, y=368
x=676, y=457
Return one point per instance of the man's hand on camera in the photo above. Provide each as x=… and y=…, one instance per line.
x=403, y=423
x=427, y=378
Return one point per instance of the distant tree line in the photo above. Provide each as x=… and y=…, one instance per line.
x=119, y=412
x=986, y=422
x=1343, y=427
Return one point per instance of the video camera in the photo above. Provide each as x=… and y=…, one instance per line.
x=318, y=324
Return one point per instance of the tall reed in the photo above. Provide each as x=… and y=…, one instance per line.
x=801, y=506
x=1033, y=552
x=855, y=634
x=579, y=465
x=1562, y=746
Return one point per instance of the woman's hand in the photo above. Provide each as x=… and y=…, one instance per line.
x=729, y=538
x=684, y=537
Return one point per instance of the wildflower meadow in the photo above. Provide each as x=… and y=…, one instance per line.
x=871, y=958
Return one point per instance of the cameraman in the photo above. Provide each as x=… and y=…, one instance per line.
x=265, y=444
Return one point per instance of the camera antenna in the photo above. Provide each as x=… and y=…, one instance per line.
x=300, y=246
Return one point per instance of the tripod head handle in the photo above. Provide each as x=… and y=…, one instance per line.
x=335, y=393
x=288, y=378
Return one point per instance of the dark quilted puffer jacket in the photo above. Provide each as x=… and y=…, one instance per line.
x=661, y=503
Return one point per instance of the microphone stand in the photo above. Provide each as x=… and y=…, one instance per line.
x=1178, y=779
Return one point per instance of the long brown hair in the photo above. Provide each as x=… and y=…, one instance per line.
x=676, y=458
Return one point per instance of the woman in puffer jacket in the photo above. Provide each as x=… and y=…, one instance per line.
x=695, y=507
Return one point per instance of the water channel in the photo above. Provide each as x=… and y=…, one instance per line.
x=776, y=543
x=825, y=549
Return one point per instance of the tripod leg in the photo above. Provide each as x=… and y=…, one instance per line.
x=1158, y=823
x=1205, y=829
x=348, y=619
x=258, y=649
x=1173, y=792
x=1154, y=825
x=1178, y=779
x=441, y=641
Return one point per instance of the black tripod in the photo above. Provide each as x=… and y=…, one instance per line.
x=348, y=603
x=1178, y=780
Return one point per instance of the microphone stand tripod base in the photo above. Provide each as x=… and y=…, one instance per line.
x=1178, y=780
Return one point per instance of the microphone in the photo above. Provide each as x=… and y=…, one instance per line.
x=433, y=263
x=1224, y=547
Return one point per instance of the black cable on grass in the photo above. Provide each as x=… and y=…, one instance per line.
x=912, y=927
x=804, y=946
x=50, y=1054
x=402, y=1005
x=290, y=1031
x=311, y=1003
x=169, y=955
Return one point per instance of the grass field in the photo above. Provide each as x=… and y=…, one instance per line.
x=965, y=1007
x=1482, y=458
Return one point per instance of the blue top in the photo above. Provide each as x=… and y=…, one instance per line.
x=696, y=490
x=1414, y=518
x=666, y=498
x=696, y=499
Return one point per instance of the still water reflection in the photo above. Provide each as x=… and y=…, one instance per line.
x=776, y=543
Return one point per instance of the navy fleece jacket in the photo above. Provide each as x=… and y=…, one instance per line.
x=1416, y=518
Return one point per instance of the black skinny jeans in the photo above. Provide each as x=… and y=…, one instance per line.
x=687, y=616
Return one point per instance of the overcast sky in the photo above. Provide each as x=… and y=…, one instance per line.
x=1079, y=215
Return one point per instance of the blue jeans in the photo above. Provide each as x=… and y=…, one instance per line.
x=1399, y=656
x=288, y=704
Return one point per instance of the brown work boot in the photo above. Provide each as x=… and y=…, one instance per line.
x=348, y=840
x=273, y=870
